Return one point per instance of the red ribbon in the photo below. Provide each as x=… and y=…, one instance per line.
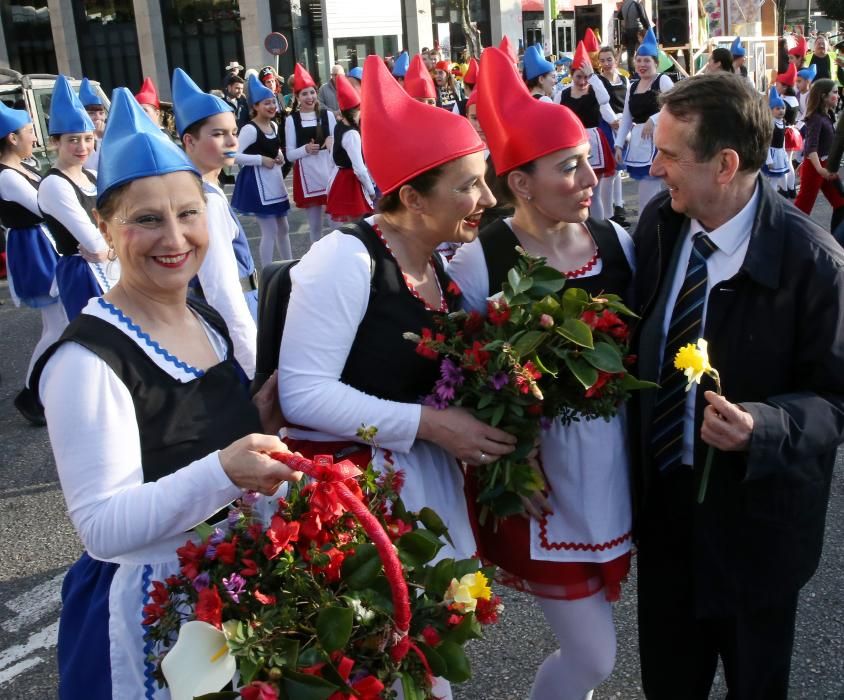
x=323, y=468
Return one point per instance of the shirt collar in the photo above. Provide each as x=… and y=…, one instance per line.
x=731, y=234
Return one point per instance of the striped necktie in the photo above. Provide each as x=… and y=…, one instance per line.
x=685, y=328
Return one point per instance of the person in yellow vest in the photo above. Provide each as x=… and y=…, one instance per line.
x=825, y=59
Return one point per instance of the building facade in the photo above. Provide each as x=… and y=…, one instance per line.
x=118, y=42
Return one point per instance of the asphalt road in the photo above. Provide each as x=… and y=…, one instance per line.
x=37, y=544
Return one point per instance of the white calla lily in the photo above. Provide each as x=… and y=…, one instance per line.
x=199, y=662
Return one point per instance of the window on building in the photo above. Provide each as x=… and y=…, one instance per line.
x=108, y=42
x=353, y=51
x=29, y=36
x=202, y=38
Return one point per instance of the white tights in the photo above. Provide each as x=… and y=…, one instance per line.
x=586, y=633
x=53, y=323
x=275, y=231
x=617, y=195
x=314, y=223
x=649, y=187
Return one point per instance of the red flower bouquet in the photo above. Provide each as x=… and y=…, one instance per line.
x=542, y=352
x=336, y=598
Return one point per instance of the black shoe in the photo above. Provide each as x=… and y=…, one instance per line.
x=792, y=194
x=619, y=216
x=30, y=407
x=782, y=192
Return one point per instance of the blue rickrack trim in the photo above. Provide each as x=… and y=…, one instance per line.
x=149, y=667
x=102, y=278
x=134, y=327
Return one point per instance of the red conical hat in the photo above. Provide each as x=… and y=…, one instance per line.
x=471, y=76
x=508, y=49
x=800, y=48
x=789, y=77
x=581, y=57
x=302, y=79
x=347, y=96
x=148, y=95
x=472, y=99
x=418, y=81
x=520, y=129
x=590, y=41
x=386, y=108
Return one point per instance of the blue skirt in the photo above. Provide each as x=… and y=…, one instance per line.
x=77, y=284
x=83, y=647
x=640, y=172
x=247, y=201
x=31, y=261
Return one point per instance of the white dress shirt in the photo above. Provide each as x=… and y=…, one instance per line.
x=731, y=239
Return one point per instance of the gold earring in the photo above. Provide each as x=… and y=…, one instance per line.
x=112, y=254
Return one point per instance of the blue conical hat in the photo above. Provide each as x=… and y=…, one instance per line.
x=87, y=96
x=736, y=49
x=134, y=147
x=648, y=47
x=809, y=73
x=190, y=104
x=256, y=91
x=535, y=63
x=402, y=63
x=774, y=99
x=12, y=119
x=67, y=115
x=357, y=72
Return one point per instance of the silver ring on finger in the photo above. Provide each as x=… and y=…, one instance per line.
x=483, y=457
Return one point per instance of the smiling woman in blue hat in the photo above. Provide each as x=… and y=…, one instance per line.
x=31, y=256
x=149, y=414
x=66, y=197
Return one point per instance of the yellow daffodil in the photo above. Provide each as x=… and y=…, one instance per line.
x=465, y=593
x=693, y=360
x=199, y=662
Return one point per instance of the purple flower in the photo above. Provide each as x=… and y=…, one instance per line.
x=216, y=537
x=444, y=391
x=250, y=498
x=234, y=586
x=210, y=551
x=499, y=380
x=451, y=373
x=201, y=582
x=545, y=423
x=434, y=401
x=233, y=518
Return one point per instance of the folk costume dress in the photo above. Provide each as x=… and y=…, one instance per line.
x=227, y=279
x=583, y=545
x=135, y=433
x=351, y=190
x=638, y=109
x=310, y=172
x=31, y=257
x=68, y=211
x=355, y=367
x=259, y=191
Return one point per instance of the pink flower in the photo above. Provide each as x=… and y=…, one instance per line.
x=258, y=690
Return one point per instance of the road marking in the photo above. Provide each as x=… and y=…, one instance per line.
x=43, y=639
x=34, y=604
x=17, y=669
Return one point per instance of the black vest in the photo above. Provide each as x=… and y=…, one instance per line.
x=644, y=105
x=499, y=244
x=178, y=423
x=304, y=134
x=381, y=362
x=617, y=93
x=778, y=137
x=341, y=158
x=15, y=215
x=66, y=242
x=264, y=145
x=586, y=107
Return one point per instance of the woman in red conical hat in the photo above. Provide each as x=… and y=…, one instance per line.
x=309, y=138
x=418, y=82
x=448, y=92
x=344, y=360
x=587, y=97
x=574, y=550
x=351, y=190
x=147, y=97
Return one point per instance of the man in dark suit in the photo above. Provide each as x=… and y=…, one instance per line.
x=721, y=257
x=233, y=87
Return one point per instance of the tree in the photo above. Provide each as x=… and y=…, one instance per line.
x=834, y=9
x=470, y=29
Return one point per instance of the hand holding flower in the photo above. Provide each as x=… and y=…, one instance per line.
x=726, y=426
